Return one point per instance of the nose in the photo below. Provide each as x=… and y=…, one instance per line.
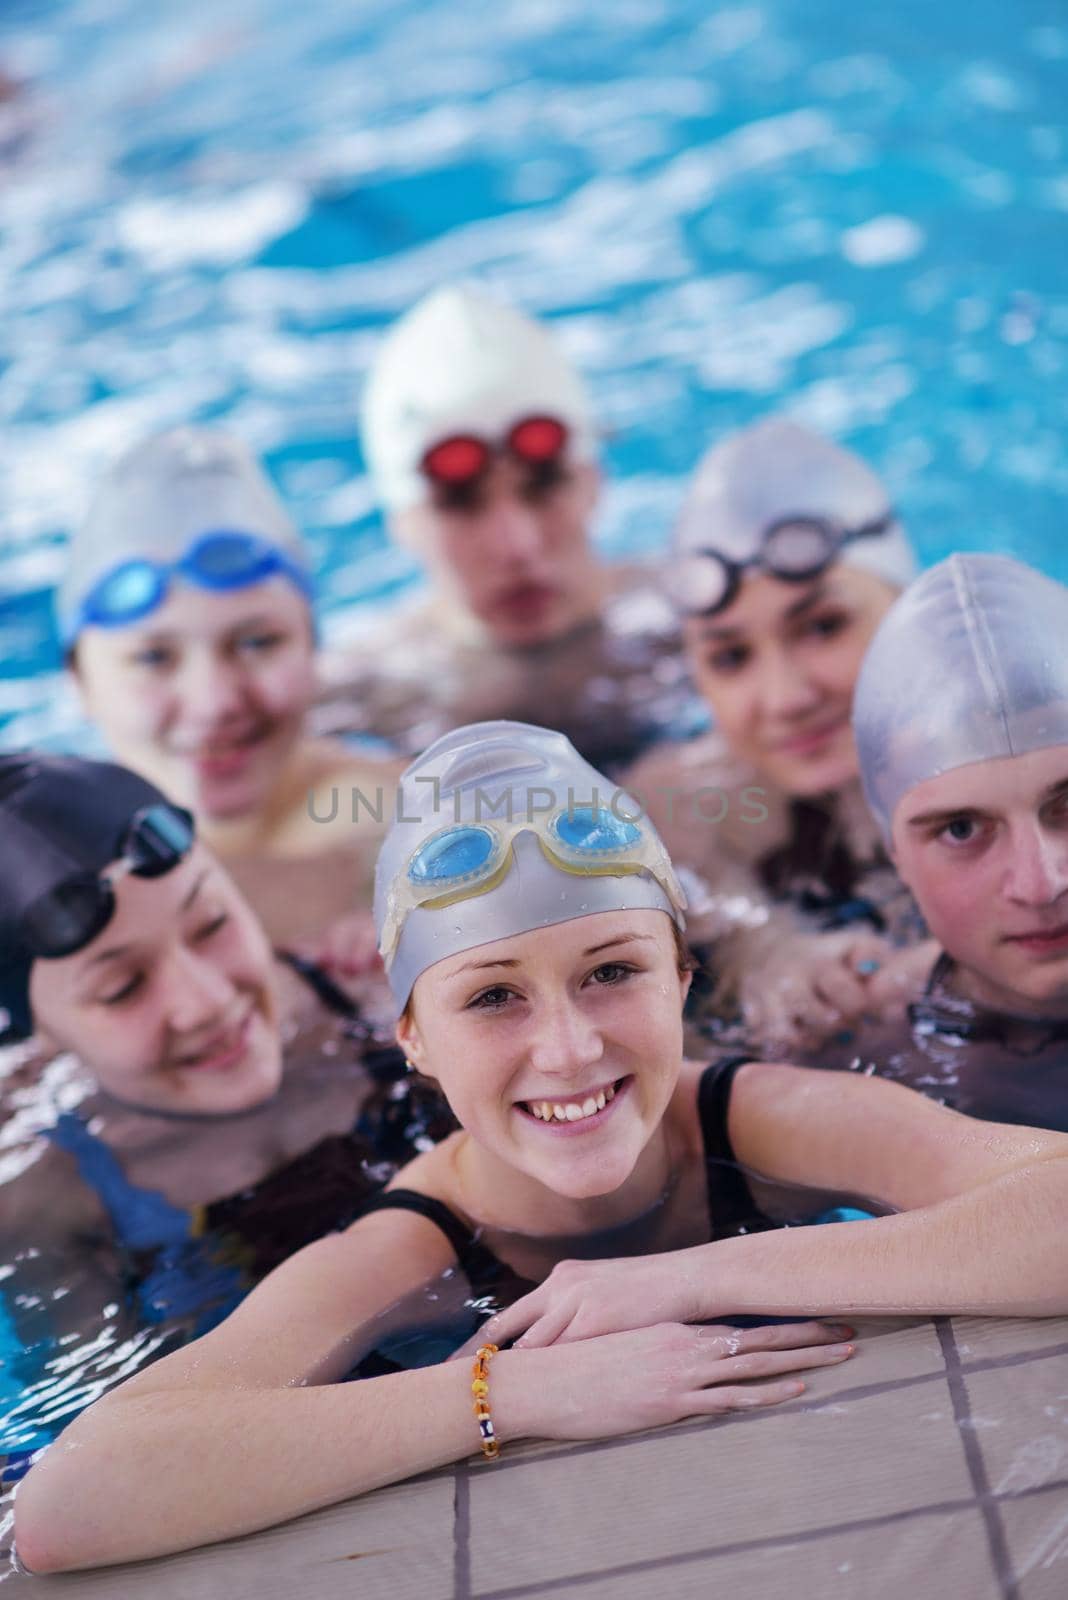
x=566, y=1042
x=198, y=992
x=515, y=531
x=1037, y=870
x=786, y=691
x=212, y=688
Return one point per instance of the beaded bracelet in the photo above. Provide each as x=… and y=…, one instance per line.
x=480, y=1389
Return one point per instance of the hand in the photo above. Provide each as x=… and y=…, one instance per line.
x=349, y=947
x=813, y=986
x=597, y=1388
x=901, y=979
x=581, y=1299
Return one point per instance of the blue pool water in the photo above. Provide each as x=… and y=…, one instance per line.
x=859, y=211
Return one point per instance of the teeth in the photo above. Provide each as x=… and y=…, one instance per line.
x=553, y=1111
x=610, y=1092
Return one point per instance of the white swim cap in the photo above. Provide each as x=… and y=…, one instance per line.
x=970, y=664
x=162, y=497
x=770, y=473
x=461, y=362
x=502, y=827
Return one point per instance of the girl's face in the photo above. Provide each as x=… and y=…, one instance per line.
x=206, y=696
x=985, y=851
x=778, y=668
x=558, y=1049
x=172, y=1005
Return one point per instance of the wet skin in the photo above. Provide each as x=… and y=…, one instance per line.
x=778, y=668
x=206, y=696
x=172, y=1006
x=511, y=557
x=984, y=849
x=558, y=1016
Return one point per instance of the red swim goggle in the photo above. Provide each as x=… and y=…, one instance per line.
x=459, y=461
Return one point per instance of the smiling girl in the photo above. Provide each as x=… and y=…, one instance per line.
x=531, y=935
x=786, y=556
x=186, y=613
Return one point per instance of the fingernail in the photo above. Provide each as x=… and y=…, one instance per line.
x=866, y=967
x=843, y=1330
x=845, y=1037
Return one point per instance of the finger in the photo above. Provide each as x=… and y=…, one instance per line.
x=866, y=953
x=708, y=1402
x=769, y=1363
x=838, y=987
x=776, y=1336
x=513, y=1322
x=553, y=1328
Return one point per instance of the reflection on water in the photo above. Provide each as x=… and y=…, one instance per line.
x=859, y=214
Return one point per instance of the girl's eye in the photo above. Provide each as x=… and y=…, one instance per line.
x=259, y=643
x=611, y=972
x=126, y=992
x=732, y=658
x=827, y=625
x=490, y=999
x=208, y=930
x=153, y=657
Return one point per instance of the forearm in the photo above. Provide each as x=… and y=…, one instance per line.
x=150, y=1474
x=994, y=1251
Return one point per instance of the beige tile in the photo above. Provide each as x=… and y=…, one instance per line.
x=924, y=1558
x=1020, y=1420
x=691, y=1489
x=986, y=1338
x=395, y=1544
x=1036, y=1531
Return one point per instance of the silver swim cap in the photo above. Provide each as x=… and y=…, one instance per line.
x=159, y=500
x=500, y=828
x=461, y=362
x=778, y=478
x=968, y=665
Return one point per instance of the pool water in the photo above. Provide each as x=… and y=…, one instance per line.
x=860, y=213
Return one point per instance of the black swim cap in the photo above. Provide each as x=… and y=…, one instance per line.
x=60, y=816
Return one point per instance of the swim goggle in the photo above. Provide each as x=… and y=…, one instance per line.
x=69, y=916
x=222, y=560
x=795, y=549
x=471, y=858
x=460, y=461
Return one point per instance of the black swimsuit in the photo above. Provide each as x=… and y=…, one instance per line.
x=731, y=1206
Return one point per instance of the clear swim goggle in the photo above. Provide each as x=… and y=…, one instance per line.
x=470, y=858
x=220, y=560
x=794, y=549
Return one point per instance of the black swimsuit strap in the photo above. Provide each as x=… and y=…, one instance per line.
x=729, y=1200
x=458, y=1233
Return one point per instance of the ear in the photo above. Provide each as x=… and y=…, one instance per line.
x=685, y=980
x=411, y=1040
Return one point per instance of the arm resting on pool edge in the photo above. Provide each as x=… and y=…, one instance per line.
x=238, y=1431
x=979, y=1226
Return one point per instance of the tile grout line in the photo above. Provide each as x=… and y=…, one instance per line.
x=461, y=1532
x=1001, y=1560
x=739, y=1547
x=749, y=1419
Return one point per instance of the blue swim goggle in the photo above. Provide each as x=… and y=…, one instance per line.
x=468, y=858
x=220, y=560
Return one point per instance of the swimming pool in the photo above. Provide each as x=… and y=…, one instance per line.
x=862, y=214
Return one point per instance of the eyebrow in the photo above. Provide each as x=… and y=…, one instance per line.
x=946, y=814
x=593, y=950
x=117, y=950
x=819, y=592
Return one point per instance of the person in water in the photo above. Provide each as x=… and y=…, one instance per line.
x=189, y=1111
x=481, y=443
x=186, y=613
x=961, y=722
x=532, y=936
x=786, y=557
